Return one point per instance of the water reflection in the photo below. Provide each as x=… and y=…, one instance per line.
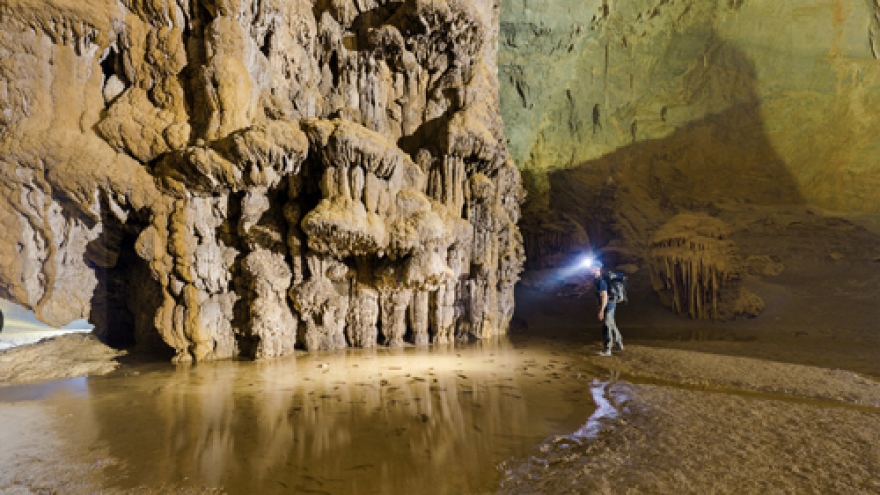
x=604, y=412
x=374, y=421
x=38, y=391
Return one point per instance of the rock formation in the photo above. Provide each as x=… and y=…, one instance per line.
x=695, y=269
x=240, y=177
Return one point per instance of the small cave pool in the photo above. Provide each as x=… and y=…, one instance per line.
x=437, y=419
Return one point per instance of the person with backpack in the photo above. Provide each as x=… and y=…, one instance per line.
x=610, y=290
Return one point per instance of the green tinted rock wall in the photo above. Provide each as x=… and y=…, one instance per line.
x=701, y=87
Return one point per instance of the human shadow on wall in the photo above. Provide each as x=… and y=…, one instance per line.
x=722, y=160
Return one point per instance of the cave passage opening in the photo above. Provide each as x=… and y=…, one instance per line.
x=20, y=326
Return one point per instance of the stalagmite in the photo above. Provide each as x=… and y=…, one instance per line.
x=363, y=318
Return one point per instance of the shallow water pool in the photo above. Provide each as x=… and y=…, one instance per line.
x=412, y=420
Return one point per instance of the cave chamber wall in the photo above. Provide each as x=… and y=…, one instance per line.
x=245, y=177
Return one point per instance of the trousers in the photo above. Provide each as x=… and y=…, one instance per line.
x=610, y=332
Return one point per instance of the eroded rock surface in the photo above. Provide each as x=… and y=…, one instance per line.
x=64, y=356
x=240, y=177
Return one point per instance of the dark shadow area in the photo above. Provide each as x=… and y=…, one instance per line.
x=191, y=78
x=246, y=342
x=370, y=20
x=724, y=158
x=423, y=134
x=362, y=25
x=123, y=304
x=723, y=165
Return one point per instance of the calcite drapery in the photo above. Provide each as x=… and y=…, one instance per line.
x=315, y=173
x=696, y=271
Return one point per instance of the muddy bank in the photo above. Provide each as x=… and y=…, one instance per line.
x=713, y=371
x=65, y=356
x=671, y=440
x=713, y=424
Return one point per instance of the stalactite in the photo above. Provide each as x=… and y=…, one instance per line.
x=552, y=240
x=347, y=184
x=695, y=268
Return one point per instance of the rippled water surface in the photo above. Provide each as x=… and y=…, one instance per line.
x=432, y=420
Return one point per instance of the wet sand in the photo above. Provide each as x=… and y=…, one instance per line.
x=674, y=440
x=781, y=404
x=687, y=422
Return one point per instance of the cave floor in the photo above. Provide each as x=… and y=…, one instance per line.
x=785, y=403
x=514, y=415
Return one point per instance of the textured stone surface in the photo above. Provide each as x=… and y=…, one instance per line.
x=63, y=356
x=238, y=177
x=624, y=114
x=788, y=87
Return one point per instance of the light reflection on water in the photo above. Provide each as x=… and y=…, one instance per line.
x=434, y=420
x=604, y=411
x=38, y=391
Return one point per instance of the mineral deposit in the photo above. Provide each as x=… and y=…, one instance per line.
x=243, y=177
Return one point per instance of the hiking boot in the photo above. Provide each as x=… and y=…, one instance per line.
x=605, y=353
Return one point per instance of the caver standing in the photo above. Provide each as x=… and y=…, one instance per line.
x=607, y=305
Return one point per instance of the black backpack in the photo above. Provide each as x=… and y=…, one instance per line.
x=616, y=287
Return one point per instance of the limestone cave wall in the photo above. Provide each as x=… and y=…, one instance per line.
x=243, y=177
x=623, y=114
